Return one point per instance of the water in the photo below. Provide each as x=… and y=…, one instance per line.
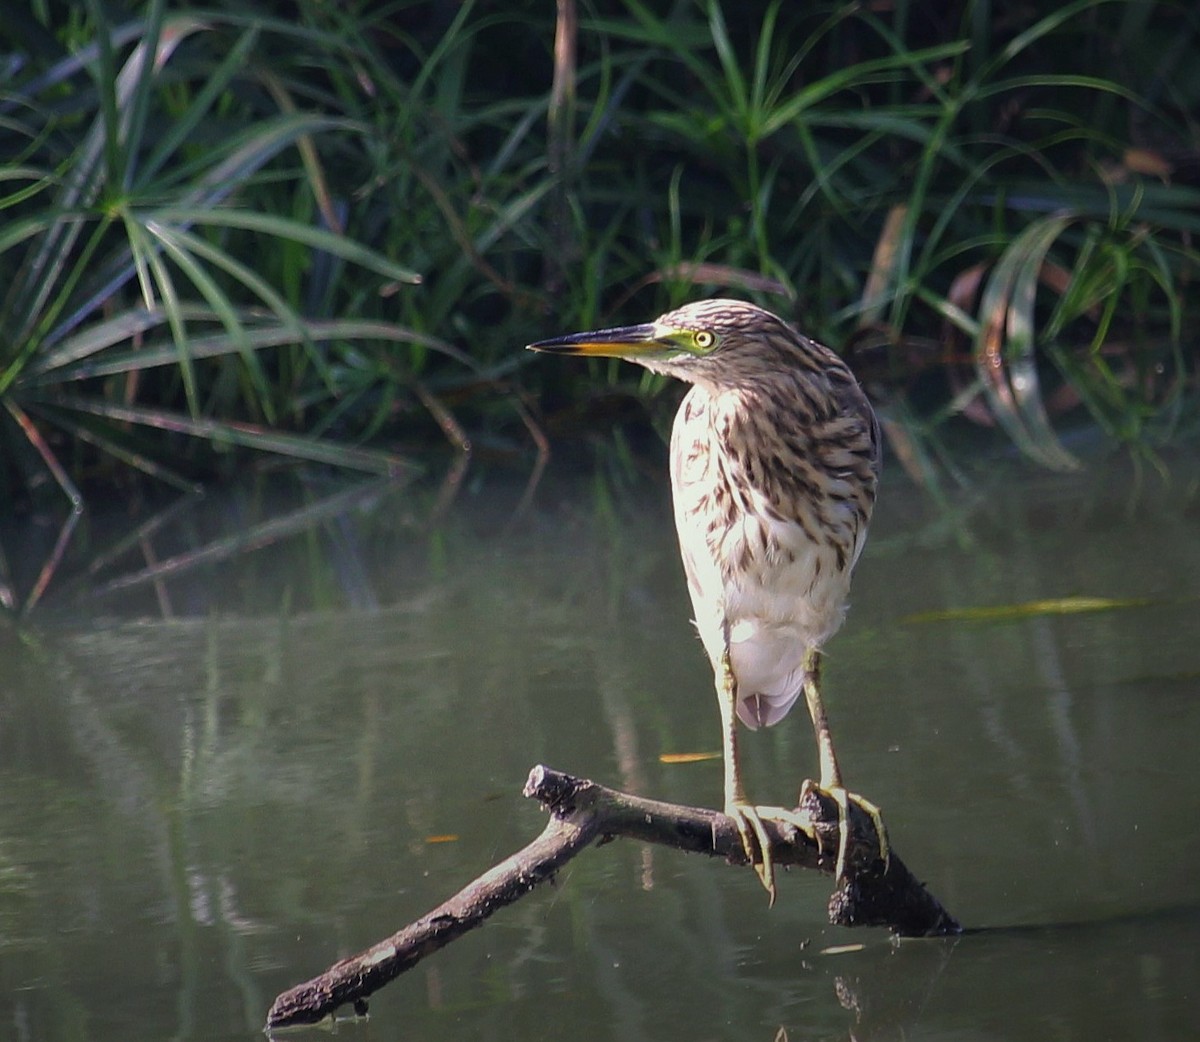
x=199, y=811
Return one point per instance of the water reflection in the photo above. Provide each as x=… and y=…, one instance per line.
x=202, y=809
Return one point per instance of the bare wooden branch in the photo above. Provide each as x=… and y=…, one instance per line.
x=582, y=812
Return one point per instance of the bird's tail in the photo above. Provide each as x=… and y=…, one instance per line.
x=764, y=710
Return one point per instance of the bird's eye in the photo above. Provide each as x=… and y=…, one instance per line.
x=704, y=339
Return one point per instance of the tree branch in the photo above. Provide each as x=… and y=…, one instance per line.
x=582, y=812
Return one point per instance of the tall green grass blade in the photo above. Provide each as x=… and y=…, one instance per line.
x=736, y=95
x=104, y=439
x=183, y=126
x=107, y=84
x=129, y=147
x=118, y=329
x=158, y=287
x=285, y=228
x=877, y=70
x=74, y=359
x=183, y=250
x=223, y=433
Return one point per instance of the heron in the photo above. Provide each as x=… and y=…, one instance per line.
x=774, y=464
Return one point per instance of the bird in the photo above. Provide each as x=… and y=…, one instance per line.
x=774, y=465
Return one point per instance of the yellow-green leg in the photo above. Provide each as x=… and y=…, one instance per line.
x=755, y=840
x=831, y=775
x=746, y=816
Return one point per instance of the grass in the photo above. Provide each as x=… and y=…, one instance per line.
x=212, y=222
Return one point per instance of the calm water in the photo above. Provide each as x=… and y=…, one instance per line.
x=206, y=797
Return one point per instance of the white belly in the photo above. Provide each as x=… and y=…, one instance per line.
x=764, y=584
x=784, y=603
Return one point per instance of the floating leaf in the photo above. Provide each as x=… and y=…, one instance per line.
x=1028, y=609
x=842, y=949
x=687, y=757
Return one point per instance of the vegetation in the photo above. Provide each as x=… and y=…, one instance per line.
x=323, y=229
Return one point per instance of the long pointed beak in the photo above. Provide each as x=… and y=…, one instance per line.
x=619, y=342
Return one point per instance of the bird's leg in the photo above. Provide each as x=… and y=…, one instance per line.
x=745, y=816
x=831, y=774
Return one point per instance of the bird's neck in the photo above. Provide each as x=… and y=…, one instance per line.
x=801, y=394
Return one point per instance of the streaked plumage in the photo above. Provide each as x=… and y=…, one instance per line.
x=771, y=515
x=774, y=465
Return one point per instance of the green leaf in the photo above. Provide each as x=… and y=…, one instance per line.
x=252, y=436
x=285, y=228
x=1028, y=609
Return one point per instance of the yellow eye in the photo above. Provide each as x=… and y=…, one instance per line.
x=704, y=339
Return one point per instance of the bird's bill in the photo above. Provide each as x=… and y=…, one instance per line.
x=620, y=342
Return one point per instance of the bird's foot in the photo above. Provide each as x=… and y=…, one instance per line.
x=843, y=798
x=756, y=841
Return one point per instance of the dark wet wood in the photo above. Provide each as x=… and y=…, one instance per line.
x=582, y=813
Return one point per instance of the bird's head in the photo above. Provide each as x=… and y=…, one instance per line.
x=705, y=341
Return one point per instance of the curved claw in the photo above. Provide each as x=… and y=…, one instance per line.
x=843, y=798
x=756, y=843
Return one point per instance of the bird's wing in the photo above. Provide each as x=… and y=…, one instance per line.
x=698, y=496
